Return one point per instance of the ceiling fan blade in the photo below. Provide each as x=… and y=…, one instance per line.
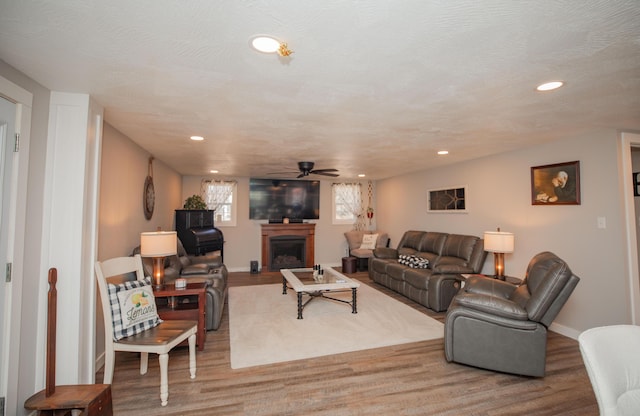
x=288, y=172
x=300, y=176
x=324, y=173
x=320, y=171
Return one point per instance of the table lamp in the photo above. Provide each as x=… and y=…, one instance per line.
x=498, y=243
x=158, y=245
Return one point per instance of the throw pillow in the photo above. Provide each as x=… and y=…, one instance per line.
x=133, y=307
x=415, y=262
x=369, y=241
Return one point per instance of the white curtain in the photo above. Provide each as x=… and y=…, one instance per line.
x=349, y=198
x=216, y=193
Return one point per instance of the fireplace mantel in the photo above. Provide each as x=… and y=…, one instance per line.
x=306, y=230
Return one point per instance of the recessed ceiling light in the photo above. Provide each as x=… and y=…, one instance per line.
x=266, y=44
x=213, y=171
x=361, y=175
x=197, y=138
x=548, y=86
x=443, y=152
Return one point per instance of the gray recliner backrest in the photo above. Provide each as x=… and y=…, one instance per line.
x=546, y=287
x=410, y=242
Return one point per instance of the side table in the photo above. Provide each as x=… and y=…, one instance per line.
x=178, y=303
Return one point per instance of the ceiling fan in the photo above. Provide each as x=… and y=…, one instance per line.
x=306, y=169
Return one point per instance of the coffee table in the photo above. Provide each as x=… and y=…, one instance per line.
x=303, y=283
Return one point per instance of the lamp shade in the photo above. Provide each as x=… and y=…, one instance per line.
x=498, y=242
x=158, y=244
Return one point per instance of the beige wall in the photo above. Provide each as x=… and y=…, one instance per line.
x=124, y=169
x=499, y=196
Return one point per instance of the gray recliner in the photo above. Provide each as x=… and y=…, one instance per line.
x=498, y=326
x=208, y=268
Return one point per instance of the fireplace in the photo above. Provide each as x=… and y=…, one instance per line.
x=286, y=246
x=287, y=252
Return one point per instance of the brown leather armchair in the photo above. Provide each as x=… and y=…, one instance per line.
x=499, y=326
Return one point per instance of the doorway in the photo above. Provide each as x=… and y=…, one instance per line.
x=7, y=133
x=629, y=162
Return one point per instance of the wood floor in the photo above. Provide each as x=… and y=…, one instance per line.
x=410, y=379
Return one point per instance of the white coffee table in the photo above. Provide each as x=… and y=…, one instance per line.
x=303, y=283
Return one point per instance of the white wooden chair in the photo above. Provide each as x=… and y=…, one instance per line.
x=157, y=340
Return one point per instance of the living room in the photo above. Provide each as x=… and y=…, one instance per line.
x=597, y=237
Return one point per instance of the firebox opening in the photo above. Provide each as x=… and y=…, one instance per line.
x=287, y=252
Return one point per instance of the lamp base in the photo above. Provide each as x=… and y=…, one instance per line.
x=158, y=272
x=498, y=262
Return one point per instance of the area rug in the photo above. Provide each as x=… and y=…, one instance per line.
x=264, y=328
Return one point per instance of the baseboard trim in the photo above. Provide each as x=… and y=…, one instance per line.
x=248, y=269
x=565, y=330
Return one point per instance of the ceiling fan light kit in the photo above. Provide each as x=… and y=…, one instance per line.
x=306, y=168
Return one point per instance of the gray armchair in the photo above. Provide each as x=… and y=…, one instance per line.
x=499, y=326
x=208, y=268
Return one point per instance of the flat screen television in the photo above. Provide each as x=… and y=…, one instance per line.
x=275, y=199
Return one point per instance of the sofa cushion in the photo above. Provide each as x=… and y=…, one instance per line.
x=133, y=307
x=396, y=270
x=418, y=278
x=458, y=249
x=432, y=242
x=379, y=265
x=362, y=253
x=411, y=240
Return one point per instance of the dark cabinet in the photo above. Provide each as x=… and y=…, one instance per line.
x=196, y=230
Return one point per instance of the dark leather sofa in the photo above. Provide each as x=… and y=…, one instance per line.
x=206, y=268
x=449, y=255
x=499, y=326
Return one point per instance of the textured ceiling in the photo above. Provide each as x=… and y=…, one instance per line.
x=374, y=87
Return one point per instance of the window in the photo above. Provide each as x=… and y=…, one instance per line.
x=347, y=203
x=220, y=196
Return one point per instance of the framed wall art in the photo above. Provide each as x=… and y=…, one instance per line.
x=557, y=184
x=447, y=200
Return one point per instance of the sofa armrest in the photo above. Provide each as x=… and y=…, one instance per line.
x=211, y=260
x=488, y=286
x=385, y=253
x=492, y=305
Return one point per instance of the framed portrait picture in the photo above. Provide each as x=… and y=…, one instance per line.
x=557, y=184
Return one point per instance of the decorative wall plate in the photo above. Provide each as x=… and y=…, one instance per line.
x=149, y=193
x=148, y=198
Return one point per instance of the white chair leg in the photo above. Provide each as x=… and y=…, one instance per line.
x=192, y=355
x=144, y=362
x=164, y=378
x=109, y=363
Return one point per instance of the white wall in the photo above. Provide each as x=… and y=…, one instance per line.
x=499, y=195
x=242, y=242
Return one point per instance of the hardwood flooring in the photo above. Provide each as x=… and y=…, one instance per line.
x=409, y=379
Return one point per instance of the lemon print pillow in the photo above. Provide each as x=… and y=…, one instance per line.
x=133, y=308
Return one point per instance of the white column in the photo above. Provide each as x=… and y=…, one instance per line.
x=69, y=229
